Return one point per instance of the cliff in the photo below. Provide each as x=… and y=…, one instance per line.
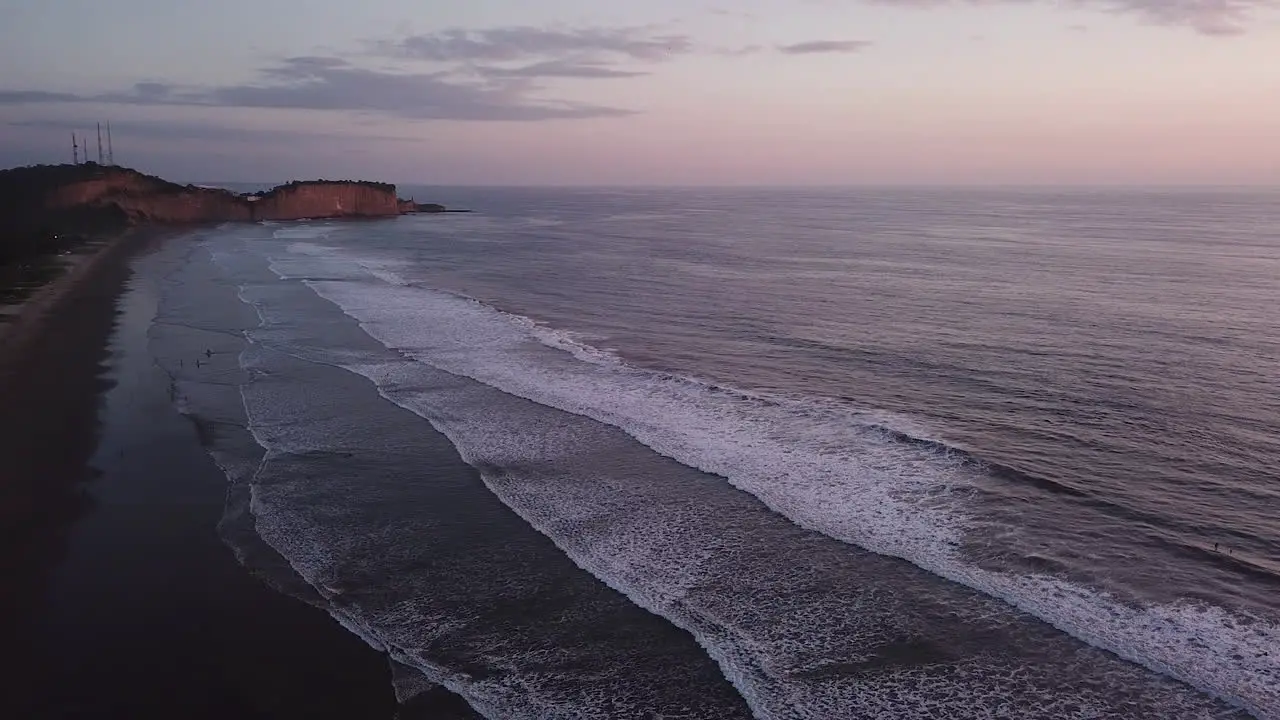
x=324, y=199
x=41, y=201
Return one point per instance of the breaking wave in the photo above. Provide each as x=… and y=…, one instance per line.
x=826, y=467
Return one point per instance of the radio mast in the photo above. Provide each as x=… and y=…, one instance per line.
x=111, y=156
x=75, y=150
x=99, y=143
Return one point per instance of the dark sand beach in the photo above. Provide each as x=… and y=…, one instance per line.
x=119, y=598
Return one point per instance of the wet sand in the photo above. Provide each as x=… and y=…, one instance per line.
x=119, y=598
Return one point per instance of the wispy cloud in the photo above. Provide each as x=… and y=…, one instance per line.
x=1209, y=17
x=522, y=43
x=815, y=47
x=329, y=83
x=19, y=97
x=740, y=51
x=489, y=74
x=730, y=12
x=583, y=53
x=183, y=130
x=559, y=69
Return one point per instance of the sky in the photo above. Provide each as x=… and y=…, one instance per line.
x=653, y=92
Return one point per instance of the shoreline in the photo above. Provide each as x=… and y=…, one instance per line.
x=120, y=597
x=83, y=297
x=27, y=314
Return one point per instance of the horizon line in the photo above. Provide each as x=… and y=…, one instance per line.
x=791, y=186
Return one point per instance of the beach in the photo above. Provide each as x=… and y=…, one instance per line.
x=120, y=599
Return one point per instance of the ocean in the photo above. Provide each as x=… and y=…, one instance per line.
x=773, y=453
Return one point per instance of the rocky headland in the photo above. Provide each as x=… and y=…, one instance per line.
x=40, y=204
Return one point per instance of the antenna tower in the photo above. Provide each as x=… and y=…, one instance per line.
x=111, y=156
x=75, y=150
x=99, y=143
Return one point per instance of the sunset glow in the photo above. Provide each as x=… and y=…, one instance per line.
x=768, y=92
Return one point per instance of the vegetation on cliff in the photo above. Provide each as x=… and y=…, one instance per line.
x=24, y=185
x=296, y=184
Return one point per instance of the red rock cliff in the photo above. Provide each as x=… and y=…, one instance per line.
x=43, y=200
x=321, y=199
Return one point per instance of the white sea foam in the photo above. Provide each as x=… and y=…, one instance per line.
x=826, y=468
x=281, y=431
x=652, y=541
x=393, y=272
x=303, y=231
x=287, y=425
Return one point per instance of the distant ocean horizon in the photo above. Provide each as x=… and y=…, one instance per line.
x=959, y=187
x=802, y=452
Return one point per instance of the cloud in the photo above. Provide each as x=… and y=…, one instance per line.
x=1209, y=17
x=739, y=51
x=179, y=130
x=152, y=90
x=333, y=84
x=536, y=52
x=327, y=83
x=20, y=97
x=487, y=75
x=523, y=43
x=577, y=53
x=815, y=47
x=728, y=12
x=559, y=69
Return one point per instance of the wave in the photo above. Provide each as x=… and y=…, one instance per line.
x=994, y=469
x=689, y=548
x=300, y=230
x=342, y=507
x=822, y=465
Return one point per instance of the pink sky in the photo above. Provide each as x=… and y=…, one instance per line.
x=661, y=92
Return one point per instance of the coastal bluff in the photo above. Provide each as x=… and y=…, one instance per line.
x=41, y=201
x=329, y=199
